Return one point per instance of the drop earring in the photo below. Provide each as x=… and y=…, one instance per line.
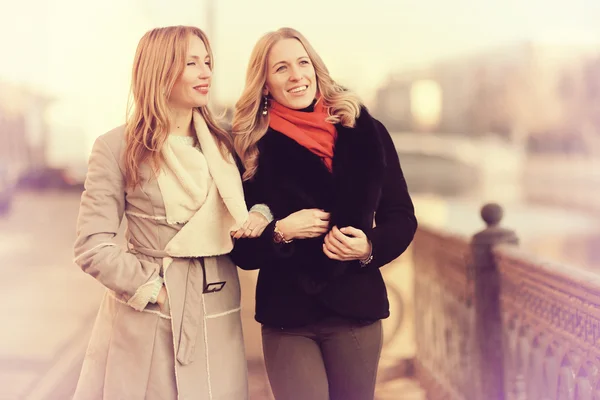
x=265, y=106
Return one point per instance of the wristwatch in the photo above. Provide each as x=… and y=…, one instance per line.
x=278, y=236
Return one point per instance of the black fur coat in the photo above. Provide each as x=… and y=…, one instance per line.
x=297, y=283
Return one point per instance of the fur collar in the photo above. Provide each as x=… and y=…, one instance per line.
x=203, y=191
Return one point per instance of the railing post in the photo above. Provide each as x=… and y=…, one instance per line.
x=488, y=323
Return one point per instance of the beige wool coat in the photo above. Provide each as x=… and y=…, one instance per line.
x=178, y=231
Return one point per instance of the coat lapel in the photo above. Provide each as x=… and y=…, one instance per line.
x=223, y=171
x=358, y=167
x=209, y=212
x=183, y=180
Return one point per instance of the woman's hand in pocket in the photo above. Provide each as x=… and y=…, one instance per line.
x=163, y=300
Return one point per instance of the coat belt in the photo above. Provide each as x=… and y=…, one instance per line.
x=192, y=313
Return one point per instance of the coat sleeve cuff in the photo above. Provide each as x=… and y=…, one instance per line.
x=374, y=260
x=367, y=261
x=264, y=210
x=147, y=293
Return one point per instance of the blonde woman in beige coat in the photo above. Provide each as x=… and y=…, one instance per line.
x=169, y=326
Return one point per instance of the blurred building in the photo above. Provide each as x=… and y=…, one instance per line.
x=546, y=94
x=23, y=130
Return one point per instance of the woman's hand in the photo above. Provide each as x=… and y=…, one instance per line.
x=162, y=300
x=304, y=224
x=253, y=227
x=347, y=244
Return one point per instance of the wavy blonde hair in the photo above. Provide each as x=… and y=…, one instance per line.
x=159, y=61
x=250, y=125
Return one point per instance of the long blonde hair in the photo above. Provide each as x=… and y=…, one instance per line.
x=250, y=125
x=159, y=61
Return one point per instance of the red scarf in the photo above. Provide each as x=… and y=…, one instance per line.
x=309, y=129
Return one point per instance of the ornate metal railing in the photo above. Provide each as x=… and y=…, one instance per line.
x=493, y=322
x=444, y=314
x=551, y=328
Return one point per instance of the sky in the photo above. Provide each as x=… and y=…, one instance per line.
x=81, y=52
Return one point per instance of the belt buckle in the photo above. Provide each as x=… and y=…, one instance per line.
x=213, y=287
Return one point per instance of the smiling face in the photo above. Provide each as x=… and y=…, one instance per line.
x=192, y=86
x=291, y=78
